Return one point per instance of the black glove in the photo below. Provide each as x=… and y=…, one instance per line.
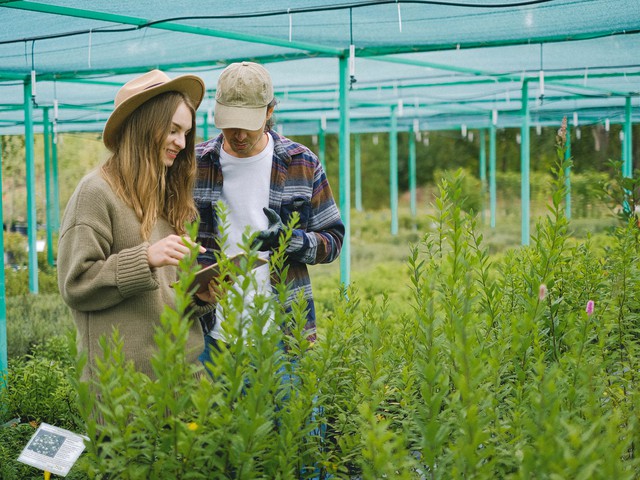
x=269, y=239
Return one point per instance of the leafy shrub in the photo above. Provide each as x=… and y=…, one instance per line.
x=473, y=193
x=15, y=247
x=39, y=385
x=38, y=389
x=17, y=281
x=517, y=365
x=33, y=319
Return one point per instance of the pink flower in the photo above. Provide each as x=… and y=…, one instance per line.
x=543, y=292
x=590, y=306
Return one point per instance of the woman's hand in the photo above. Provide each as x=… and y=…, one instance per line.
x=169, y=251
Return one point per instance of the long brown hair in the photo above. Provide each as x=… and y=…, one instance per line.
x=137, y=173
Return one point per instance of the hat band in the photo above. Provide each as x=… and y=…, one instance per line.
x=154, y=85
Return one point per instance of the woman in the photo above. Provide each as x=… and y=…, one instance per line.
x=120, y=239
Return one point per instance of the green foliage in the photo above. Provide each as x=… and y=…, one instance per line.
x=622, y=194
x=38, y=389
x=459, y=364
x=17, y=281
x=38, y=386
x=17, y=275
x=15, y=247
x=473, y=197
x=76, y=153
x=253, y=419
x=33, y=319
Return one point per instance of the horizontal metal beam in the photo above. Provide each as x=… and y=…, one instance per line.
x=171, y=26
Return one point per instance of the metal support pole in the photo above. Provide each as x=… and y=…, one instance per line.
x=54, y=181
x=205, y=126
x=31, y=188
x=393, y=170
x=483, y=169
x=48, y=174
x=492, y=176
x=525, y=163
x=322, y=146
x=626, y=145
x=567, y=175
x=345, y=171
x=358, y=171
x=3, y=302
x=412, y=174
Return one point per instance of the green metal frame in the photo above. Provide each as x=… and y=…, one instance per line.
x=492, y=175
x=412, y=174
x=345, y=171
x=49, y=189
x=358, y=171
x=3, y=301
x=525, y=163
x=393, y=168
x=31, y=186
x=567, y=175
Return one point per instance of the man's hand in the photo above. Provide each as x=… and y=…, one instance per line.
x=269, y=239
x=215, y=290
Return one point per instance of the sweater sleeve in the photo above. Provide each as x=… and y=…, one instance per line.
x=90, y=275
x=90, y=280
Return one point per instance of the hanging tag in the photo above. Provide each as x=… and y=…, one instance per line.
x=90, y=41
x=352, y=60
x=586, y=74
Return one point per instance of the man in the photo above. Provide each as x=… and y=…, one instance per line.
x=262, y=178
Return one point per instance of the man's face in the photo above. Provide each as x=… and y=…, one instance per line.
x=245, y=143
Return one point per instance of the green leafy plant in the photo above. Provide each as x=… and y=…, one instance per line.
x=460, y=364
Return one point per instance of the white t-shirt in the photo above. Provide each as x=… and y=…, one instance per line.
x=245, y=192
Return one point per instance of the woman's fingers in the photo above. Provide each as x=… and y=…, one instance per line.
x=167, y=251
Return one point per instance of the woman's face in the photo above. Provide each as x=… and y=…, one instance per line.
x=177, y=137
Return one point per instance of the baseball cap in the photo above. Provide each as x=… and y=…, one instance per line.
x=243, y=93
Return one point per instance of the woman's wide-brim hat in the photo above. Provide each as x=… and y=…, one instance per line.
x=143, y=88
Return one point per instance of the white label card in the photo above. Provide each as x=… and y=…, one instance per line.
x=53, y=449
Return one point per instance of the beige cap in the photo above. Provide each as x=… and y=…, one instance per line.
x=243, y=93
x=143, y=88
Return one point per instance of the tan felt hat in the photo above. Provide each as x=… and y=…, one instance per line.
x=137, y=91
x=243, y=93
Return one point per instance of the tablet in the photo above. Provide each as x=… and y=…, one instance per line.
x=204, y=276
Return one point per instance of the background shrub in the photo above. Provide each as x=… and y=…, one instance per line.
x=33, y=319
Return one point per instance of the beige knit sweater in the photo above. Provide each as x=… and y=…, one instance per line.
x=104, y=275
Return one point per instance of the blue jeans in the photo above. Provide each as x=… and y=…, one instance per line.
x=210, y=344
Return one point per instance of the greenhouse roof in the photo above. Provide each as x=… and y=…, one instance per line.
x=436, y=64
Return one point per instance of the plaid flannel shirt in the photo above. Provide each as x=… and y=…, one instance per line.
x=298, y=183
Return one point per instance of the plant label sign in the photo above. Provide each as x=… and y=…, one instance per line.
x=53, y=449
